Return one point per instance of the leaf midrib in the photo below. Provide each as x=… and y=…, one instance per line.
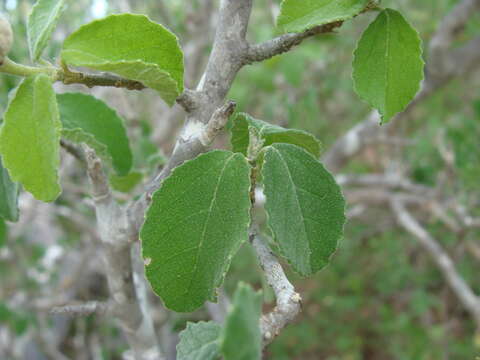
x=298, y=204
x=51, y=18
x=212, y=203
x=387, y=62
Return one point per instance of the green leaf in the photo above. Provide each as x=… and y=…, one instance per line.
x=41, y=23
x=131, y=46
x=388, y=65
x=89, y=120
x=199, y=341
x=300, y=15
x=30, y=138
x=3, y=233
x=271, y=134
x=8, y=196
x=241, y=336
x=197, y=221
x=126, y=183
x=305, y=207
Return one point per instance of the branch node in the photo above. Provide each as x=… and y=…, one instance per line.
x=189, y=100
x=98, y=179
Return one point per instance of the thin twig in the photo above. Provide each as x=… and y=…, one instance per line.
x=85, y=309
x=73, y=150
x=285, y=43
x=91, y=80
x=115, y=233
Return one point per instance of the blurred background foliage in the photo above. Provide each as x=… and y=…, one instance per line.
x=381, y=297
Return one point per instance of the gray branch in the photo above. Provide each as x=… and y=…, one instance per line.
x=460, y=288
x=285, y=43
x=288, y=301
x=450, y=27
x=115, y=235
x=226, y=59
x=195, y=137
x=392, y=181
x=85, y=309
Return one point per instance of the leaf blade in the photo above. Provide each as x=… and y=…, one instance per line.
x=125, y=183
x=305, y=207
x=196, y=237
x=8, y=196
x=243, y=322
x=41, y=23
x=89, y=120
x=300, y=15
x=199, y=341
x=150, y=54
x=388, y=64
x=30, y=138
x=270, y=134
x=3, y=233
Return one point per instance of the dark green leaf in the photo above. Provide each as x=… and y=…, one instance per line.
x=199, y=341
x=3, y=233
x=241, y=338
x=197, y=221
x=8, y=196
x=270, y=134
x=126, y=183
x=305, y=207
x=89, y=120
x=388, y=65
x=300, y=15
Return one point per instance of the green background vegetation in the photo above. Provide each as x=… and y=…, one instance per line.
x=381, y=297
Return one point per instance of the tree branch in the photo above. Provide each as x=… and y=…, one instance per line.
x=115, y=235
x=223, y=65
x=460, y=288
x=90, y=80
x=288, y=301
x=73, y=150
x=85, y=309
x=451, y=25
x=384, y=180
x=195, y=139
x=67, y=76
x=285, y=43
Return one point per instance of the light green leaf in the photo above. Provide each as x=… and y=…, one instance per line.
x=197, y=221
x=300, y=15
x=388, y=65
x=89, y=120
x=126, y=183
x=41, y=23
x=131, y=46
x=8, y=196
x=241, y=336
x=271, y=134
x=30, y=138
x=305, y=207
x=199, y=341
